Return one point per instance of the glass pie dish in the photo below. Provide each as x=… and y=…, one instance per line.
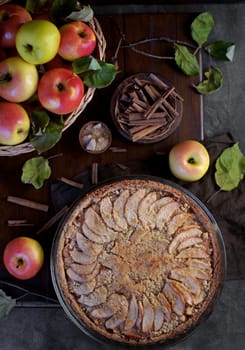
x=138, y=261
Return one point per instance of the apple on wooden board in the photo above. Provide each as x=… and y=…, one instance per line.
x=37, y=41
x=60, y=91
x=14, y=123
x=23, y=257
x=19, y=79
x=77, y=40
x=189, y=160
x=12, y=16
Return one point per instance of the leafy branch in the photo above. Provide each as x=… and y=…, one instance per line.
x=185, y=54
x=7, y=303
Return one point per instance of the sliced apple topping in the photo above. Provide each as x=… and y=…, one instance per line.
x=184, y=234
x=97, y=297
x=132, y=314
x=146, y=214
x=131, y=207
x=177, y=221
x=84, y=288
x=106, y=211
x=148, y=315
x=165, y=213
x=118, y=210
x=86, y=245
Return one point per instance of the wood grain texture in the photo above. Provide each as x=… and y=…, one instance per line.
x=74, y=160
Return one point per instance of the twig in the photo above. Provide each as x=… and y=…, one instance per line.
x=53, y=220
x=27, y=203
x=12, y=285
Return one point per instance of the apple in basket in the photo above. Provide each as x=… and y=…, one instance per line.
x=23, y=257
x=37, y=41
x=12, y=16
x=14, y=123
x=19, y=79
x=60, y=91
x=189, y=160
x=77, y=40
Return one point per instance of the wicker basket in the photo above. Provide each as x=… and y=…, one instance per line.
x=27, y=147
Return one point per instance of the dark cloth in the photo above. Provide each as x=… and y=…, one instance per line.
x=228, y=208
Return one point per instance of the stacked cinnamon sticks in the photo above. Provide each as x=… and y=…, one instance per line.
x=147, y=108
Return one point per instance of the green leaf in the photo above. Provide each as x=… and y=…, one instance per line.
x=44, y=140
x=39, y=122
x=100, y=78
x=84, y=64
x=212, y=82
x=84, y=15
x=229, y=168
x=221, y=50
x=185, y=60
x=201, y=27
x=35, y=171
x=60, y=9
x=7, y=303
x=34, y=6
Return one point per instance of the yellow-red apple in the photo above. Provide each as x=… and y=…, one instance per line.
x=12, y=16
x=19, y=79
x=60, y=91
x=14, y=123
x=23, y=257
x=37, y=41
x=189, y=160
x=77, y=40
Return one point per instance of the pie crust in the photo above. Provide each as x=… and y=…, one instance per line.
x=138, y=261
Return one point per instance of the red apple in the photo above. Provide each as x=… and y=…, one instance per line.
x=77, y=40
x=189, y=160
x=19, y=79
x=60, y=91
x=14, y=123
x=23, y=257
x=11, y=18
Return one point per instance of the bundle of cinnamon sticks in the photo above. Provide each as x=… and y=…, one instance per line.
x=147, y=108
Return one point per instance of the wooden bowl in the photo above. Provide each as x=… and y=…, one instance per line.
x=146, y=108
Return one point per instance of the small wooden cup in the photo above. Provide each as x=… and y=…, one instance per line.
x=95, y=137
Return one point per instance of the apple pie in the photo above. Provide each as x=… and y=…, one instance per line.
x=138, y=261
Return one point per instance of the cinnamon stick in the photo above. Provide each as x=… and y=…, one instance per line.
x=53, y=220
x=117, y=149
x=146, y=131
x=27, y=203
x=94, y=173
x=71, y=182
x=158, y=102
x=18, y=223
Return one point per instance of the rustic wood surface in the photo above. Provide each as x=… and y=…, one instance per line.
x=71, y=159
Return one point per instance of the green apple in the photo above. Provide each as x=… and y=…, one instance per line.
x=189, y=160
x=19, y=79
x=14, y=123
x=38, y=41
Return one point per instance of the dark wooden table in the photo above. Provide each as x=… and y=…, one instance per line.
x=73, y=159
